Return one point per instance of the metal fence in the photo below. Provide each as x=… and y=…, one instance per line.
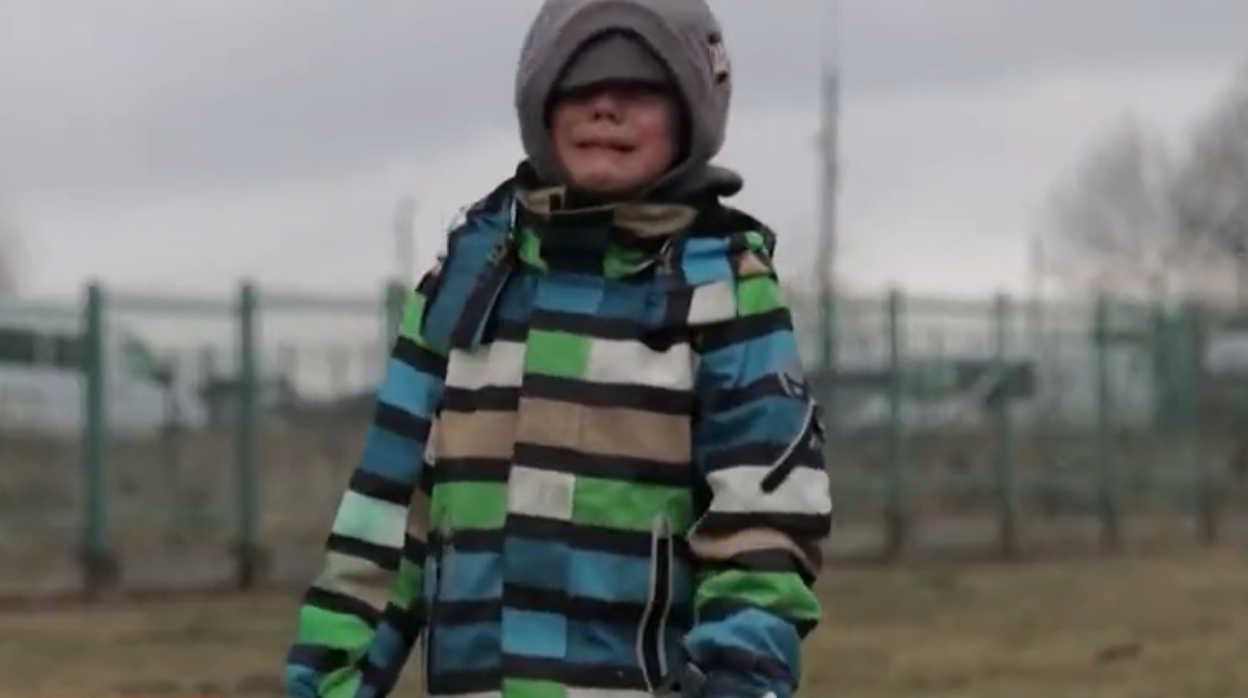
x=157, y=442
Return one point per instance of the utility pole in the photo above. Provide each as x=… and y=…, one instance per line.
x=829, y=160
x=405, y=242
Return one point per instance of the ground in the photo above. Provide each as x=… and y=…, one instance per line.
x=1172, y=627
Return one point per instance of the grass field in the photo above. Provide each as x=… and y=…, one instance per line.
x=1173, y=627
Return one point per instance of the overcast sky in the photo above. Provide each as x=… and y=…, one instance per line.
x=186, y=144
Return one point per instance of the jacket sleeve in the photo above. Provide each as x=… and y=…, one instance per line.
x=758, y=449
x=362, y=615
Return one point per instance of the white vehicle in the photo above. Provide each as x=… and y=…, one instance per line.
x=42, y=387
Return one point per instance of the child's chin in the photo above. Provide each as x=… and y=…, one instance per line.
x=606, y=181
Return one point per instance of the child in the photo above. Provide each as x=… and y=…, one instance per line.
x=595, y=470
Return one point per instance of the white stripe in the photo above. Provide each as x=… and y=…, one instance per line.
x=543, y=493
x=739, y=491
x=633, y=363
x=497, y=365
x=714, y=302
x=369, y=519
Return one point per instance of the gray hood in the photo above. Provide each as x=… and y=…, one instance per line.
x=684, y=34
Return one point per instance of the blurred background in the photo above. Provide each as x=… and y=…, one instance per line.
x=1014, y=232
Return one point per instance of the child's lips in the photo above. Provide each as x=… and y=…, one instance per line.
x=604, y=144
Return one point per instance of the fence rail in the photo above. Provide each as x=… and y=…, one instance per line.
x=174, y=442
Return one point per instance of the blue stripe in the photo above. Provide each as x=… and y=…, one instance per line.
x=599, y=643
x=773, y=419
x=473, y=647
x=570, y=293
x=752, y=630
x=622, y=300
x=588, y=574
x=386, y=645
x=534, y=634
x=471, y=576
x=706, y=260
x=738, y=365
x=391, y=456
x=408, y=389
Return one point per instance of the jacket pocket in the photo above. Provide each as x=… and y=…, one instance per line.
x=652, y=630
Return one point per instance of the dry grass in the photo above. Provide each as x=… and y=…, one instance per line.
x=1128, y=628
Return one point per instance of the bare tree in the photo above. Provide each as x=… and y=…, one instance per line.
x=1113, y=226
x=1212, y=189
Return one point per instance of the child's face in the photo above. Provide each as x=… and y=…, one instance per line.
x=614, y=137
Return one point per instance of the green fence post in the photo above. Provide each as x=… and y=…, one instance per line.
x=1208, y=490
x=1106, y=454
x=250, y=558
x=1004, y=464
x=896, y=516
x=98, y=566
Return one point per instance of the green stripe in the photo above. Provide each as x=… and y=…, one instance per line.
x=782, y=593
x=629, y=506
x=407, y=583
x=413, y=313
x=469, y=505
x=757, y=295
x=557, y=354
x=532, y=688
x=341, y=683
x=318, y=626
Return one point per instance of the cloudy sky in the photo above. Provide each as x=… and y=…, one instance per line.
x=159, y=144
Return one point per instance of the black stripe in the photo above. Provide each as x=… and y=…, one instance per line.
x=743, y=329
x=319, y=658
x=380, y=555
x=595, y=326
x=467, y=612
x=470, y=470
x=808, y=526
x=397, y=421
x=583, y=609
x=619, y=468
x=601, y=676
x=740, y=662
x=414, y=550
x=422, y=359
x=576, y=536
x=335, y=602
x=637, y=397
x=373, y=485
x=758, y=453
x=487, y=399
x=463, y=682
x=504, y=330
x=770, y=385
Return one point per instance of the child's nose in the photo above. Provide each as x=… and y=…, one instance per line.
x=605, y=105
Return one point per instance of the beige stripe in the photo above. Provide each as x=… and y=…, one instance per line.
x=418, y=513
x=476, y=434
x=608, y=431
x=749, y=540
x=357, y=578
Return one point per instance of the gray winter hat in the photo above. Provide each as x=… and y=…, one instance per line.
x=683, y=34
x=613, y=56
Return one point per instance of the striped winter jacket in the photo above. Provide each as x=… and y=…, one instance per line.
x=594, y=460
